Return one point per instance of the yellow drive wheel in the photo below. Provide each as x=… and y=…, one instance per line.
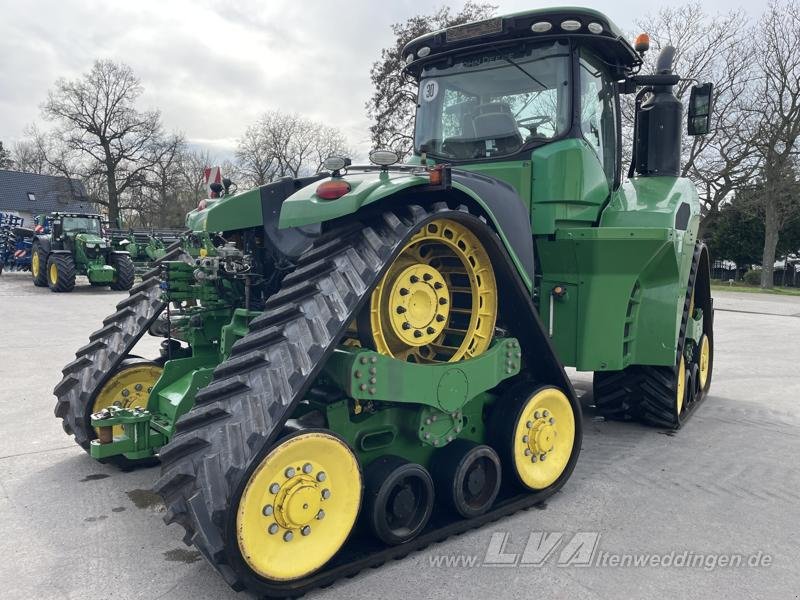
x=680, y=392
x=299, y=506
x=36, y=264
x=129, y=387
x=437, y=302
x=535, y=431
x=704, y=361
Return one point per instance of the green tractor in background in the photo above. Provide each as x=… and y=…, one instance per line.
x=366, y=361
x=75, y=246
x=144, y=245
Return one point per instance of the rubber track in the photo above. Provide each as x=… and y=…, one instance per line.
x=107, y=347
x=239, y=415
x=647, y=393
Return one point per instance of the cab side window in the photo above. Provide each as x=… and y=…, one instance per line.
x=599, y=113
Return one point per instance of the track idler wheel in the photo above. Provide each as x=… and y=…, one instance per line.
x=398, y=499
x=467, y=477
x=535, y=434
x=299, y=506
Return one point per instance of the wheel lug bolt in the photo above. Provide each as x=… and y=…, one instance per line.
x=321, y=476
x=427, y=277
x=427, y=421
x=525, y=439
x=435, y=442
x=273, y=529
x=320, y=515
x=406, y=325
x=527, y=451
x=430, y=330
x=287, y=537
x=307, y=468
x=138, y=387
x=274, y=488
x=400, y=310
x=372, y=370
x=125, y=393
x=537, y=415
x=533, y=458
x=373, y=380
x=529, y=424
x=326, y=493
x=440, y=318
x=414, y=279
x=357, y=374
x=363, y=387
x=552, y=421
x=545, y=414
x=542, y=456
x=443, y=301
x=305, y=530
x=373, y=359
x=403, y=292
x=290, y=472
x=437, y=285
x=267, y=510
x=417, y=333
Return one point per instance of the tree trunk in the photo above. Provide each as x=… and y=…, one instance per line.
x=770, y=243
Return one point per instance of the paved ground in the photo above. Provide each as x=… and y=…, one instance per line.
x=728, y=484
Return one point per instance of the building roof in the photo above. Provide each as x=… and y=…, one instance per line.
x=37, y=194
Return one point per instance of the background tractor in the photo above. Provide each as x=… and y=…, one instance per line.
x=74, y=245
x=366, y=361
x=144, y=245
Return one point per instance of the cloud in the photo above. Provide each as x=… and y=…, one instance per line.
x=212, y=67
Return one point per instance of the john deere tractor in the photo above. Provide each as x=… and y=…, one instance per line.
x=366, y=361
x=74, y=246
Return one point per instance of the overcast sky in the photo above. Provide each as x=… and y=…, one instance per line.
x=212, y=67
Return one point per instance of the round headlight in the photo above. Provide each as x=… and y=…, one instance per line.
x=570, y=25
x=541, y=27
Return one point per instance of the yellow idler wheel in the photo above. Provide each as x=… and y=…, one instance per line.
x=437, y=302
x=704, y=361
x=299, y=506
x=680, y=392
x=129, y=387
x=535, y=432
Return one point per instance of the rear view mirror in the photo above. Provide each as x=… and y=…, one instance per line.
x=700, y=107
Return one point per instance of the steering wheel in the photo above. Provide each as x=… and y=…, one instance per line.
x=531, y=123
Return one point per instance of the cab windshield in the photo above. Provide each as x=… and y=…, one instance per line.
x=81, y=225
x=493, y=104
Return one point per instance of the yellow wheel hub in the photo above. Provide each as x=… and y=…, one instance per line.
x=35, y=266
x=299, y=506
x=681, y=391
x=419, y=305
x=704, y=361
x=438, y=300
x=53, y=274
x=129, y=387
x=543, y=438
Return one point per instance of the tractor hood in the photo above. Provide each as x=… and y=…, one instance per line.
x=91, y=240
x=305, y=207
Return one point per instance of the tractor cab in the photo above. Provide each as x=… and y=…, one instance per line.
x=530, y=97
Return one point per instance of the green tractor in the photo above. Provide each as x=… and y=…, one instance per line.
x=366, y=361
x=75, y=246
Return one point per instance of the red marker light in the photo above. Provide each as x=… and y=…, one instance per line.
x=333, y=189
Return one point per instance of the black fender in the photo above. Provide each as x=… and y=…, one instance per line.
x=43, y=242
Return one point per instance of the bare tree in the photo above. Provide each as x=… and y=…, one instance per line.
x=777, y=109
x=393, y=103
x=6, y=161
x=96, y=118
x=283, y=144
x=716, y=48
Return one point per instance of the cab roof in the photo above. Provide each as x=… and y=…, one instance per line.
x=609, y=42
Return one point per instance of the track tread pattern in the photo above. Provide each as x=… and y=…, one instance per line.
x=107, y=347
